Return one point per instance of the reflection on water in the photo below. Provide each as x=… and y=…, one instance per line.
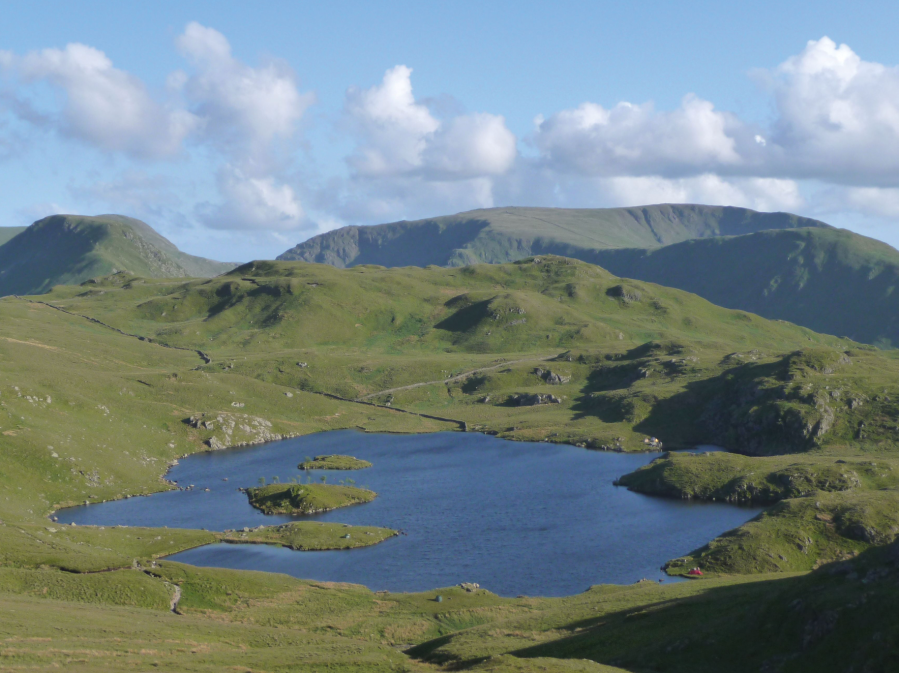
x=518, y=518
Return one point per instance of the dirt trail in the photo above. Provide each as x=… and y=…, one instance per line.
x=458, y=377
x=203, y=356
x=176, y=597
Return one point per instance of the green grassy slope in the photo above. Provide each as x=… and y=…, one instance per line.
x=839, y=618
x=637, y=359
x=7, y=233
x=69, y=249
x=499, y=235
x=621, y=360
x=831, y=280
x=306, y=498
x=282, y=341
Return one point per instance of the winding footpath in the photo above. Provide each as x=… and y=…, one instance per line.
x=203, y=356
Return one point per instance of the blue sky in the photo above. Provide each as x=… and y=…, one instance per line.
x=240, y=129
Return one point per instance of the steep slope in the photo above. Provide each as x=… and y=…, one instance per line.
x=8, y=233
x=498, y=235
x=69, y=249
x=830, y=280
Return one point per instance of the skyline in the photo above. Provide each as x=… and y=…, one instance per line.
x=236, y=144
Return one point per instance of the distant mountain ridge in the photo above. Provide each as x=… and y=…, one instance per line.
x=777, y=265
x=70, y=249
x=830, y=280
x=8, y=233
x=498, y=235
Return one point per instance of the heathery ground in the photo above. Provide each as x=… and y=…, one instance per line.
x=102, y=386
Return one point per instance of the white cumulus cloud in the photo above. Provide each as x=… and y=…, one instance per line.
x=631, y=139
x=398, y=136
x=837, y=115
x=244, y=109
x=252, y=203
x=765, y=194
x=103, y=105
x=409, y=162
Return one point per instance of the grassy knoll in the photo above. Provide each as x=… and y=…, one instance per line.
x=306, y=498
x=827, y=507
x=334, y=463
x=311, y=536
x=760, y=481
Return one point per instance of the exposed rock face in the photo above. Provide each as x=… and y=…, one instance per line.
x=532, y=400
x=625, y=294
x=551, y=377
x=237, y=429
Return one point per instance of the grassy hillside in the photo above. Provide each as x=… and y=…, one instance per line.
x=6, y=233
x=70, y=249
x=831, y=280
x=499, y=235
x=179, y=366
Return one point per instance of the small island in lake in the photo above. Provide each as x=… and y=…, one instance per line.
x=311, y=536
x=334, y=463
x=306, y=498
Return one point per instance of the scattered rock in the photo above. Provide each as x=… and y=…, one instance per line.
x=551, y=377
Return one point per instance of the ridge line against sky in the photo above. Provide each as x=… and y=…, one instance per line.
x=232, y=156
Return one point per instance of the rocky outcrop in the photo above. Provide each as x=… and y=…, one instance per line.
x=626, y=294
x=235, y=429
x=552, y=378
x=534, y=399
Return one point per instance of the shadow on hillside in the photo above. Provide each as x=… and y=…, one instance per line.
x=753, y=626
x=732, y=408
x=466, y=318
x=415, y=244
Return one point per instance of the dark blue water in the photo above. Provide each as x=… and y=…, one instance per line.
x=518, y=518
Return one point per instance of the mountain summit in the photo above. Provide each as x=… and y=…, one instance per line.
x=498, y=235
x=70, y=249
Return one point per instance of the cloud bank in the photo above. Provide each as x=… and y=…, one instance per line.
x=835, y=121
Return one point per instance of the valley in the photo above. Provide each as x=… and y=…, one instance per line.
x=547, y=349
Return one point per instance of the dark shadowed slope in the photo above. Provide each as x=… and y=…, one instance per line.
x=69, y=249
x=830, y=280
x=499, y=235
